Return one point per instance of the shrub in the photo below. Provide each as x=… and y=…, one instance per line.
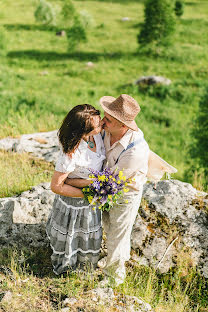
x=76, y=34
x=179, y=8
x=159, y=24
x=44, y=13
x=74, y=25
x=199, y=147
x=68, y=12
x=86, y=19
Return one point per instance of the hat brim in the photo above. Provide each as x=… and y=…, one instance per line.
x=105, y=101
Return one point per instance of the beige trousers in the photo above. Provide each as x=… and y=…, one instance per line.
x=118, y=224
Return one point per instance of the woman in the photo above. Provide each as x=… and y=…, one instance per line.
x=74, y=228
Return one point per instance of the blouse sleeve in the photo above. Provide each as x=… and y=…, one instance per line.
x=65, y=163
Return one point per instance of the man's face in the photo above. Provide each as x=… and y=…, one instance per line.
x=111, y=124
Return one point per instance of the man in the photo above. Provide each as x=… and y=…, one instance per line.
x=127, y=150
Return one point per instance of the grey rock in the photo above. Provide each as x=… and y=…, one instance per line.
x=174, y=210
x=125, y=19
x=23, y=218
x=7, y=296
x=69, y=301
x=153, y=80
x=43, y=145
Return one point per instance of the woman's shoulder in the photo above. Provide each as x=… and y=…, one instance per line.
x=65, y=162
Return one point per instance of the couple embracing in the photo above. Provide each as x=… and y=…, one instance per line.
x=87, y=142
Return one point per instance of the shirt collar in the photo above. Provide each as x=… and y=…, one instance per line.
x=124, y=141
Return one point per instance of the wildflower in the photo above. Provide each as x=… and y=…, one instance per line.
x=106, y=188
x=101, y=178
x=126, y=201
x=125, y=189
x=120, y=174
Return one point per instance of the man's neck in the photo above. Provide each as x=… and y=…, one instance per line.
x=114, y=137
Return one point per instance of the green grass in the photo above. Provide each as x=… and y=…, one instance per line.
x=35, y=288
x=21, y=173
x=40, y=81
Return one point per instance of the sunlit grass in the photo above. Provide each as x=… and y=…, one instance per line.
x=20, y=173
x=34, y=286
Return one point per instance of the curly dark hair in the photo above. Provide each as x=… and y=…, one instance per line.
x=75, y=125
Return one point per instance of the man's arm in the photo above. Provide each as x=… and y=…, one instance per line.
x=80, y=183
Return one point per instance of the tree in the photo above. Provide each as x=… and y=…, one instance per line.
x=179, y=8
x=44, y=13
x=159, y=23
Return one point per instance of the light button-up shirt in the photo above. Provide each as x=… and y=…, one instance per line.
x=133, y=162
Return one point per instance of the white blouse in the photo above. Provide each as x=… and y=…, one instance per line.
x=82, y=159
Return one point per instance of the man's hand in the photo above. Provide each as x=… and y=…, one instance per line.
x=80, y=183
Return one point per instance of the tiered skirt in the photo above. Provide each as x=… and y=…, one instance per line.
x=75, y=233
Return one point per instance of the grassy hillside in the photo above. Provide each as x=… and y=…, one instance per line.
x=40, y=80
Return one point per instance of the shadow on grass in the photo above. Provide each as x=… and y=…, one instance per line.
x=32, y=260
x=195, y=3
x=121, y=1
x=57, y=56
x=191, y=21
x=31, y=27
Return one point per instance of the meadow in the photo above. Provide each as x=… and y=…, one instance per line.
x=40, y=81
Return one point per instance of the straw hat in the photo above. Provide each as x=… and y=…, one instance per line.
x=124, y=108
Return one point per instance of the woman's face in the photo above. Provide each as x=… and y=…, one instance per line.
x=97, y=125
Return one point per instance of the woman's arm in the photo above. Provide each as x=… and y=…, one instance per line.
x=59, y=187
x=80, y=183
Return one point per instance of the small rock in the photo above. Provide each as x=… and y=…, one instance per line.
x=65, y=310
x=69, y=301
x=61, y=33
x=90, y=64
x=44, y=73
x=125, y=19
x=7, y=296
x=153, y=80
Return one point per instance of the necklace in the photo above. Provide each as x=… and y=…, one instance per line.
x=90, y=143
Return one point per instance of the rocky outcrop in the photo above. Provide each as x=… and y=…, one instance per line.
x=23, y=218
x=172, y=216
x=43, y=145
x=172, y=219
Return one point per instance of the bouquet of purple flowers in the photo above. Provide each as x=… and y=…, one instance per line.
x=105, y=188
